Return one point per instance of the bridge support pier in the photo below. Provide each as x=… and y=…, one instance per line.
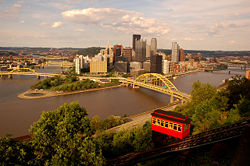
x=10, y=76
x=171, y=99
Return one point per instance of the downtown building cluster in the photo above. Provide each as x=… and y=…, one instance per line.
x=141, y=58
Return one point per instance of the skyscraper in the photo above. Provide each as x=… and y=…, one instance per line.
x=117, y=51
x=153, y=46
x=165, y=66
x=77, y=65
x=148, y=50
x=127, y=52
x=81, y=61
x=140, y=50
x=182, y=56
x=135, y=37
x=175, y=52
x=156, y=64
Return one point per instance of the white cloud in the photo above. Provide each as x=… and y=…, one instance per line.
x=56, y=24
x=17, y=5
x=122, y=20
x=79, y=30
x=232, y=42
x=60, y=6
x=193, y=39
x=21, y=22
x=43, y=23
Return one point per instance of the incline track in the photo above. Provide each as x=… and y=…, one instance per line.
x=190, y=142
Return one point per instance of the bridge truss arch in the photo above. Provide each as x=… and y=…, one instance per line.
x=159, y=83
x=23, y=70
x=156, y=79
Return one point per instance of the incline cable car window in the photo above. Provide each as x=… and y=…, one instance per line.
x=175, y=126
x=154, y=120
x=158, y=121
x=170, y=125
x=179, y=128
x=166, y=124
x=162, y=122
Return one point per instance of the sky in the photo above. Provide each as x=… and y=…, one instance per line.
x=194, y=24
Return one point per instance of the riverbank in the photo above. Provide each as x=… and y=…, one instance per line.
x=47, y=93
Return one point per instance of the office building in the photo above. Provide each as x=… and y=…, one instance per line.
x=81, y=61
x=117, y=51
x=127, y=52
x=135, y=37
x=165, y=66
x=175, y=52
x=156, y=64
x=77, y=66
x=146, y=65
x=182, y=55
x=122, y=67
x=148, y=49
x=153, y=46
x=98, y=67
x=135, y=65
x=140, y=50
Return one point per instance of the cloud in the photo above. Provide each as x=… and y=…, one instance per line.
x=11, y=11
x=79, y=30
x=232, y=42
x=43, y=23
x=193, y=39
x=117, y=19
x=60, y=6
x=21, y=22
x=17, y=5
x=56, y=24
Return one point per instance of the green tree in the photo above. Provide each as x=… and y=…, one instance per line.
x=13, y=152
x=62, y=137
x=201, y=92
x=237, y=89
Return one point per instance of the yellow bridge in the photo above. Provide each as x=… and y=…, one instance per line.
x=26, y=71
x=159, y=83
x=55, y=64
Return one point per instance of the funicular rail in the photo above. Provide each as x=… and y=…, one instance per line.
x=190, y=142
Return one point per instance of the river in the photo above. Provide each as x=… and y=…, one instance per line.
x=16, y=115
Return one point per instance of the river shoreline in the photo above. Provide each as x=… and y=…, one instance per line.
x=47, y=93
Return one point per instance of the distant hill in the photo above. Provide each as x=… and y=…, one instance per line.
x=90, y=51
x=211, y=53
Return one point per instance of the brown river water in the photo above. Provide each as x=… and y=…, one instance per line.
x=16, y=115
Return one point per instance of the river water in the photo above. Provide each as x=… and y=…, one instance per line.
x=16, y=115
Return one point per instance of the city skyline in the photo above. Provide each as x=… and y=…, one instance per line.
x=197, y=25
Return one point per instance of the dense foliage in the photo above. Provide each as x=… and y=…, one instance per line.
x=68, y=83
x=90, y=51
x=13, y=152
x=210, y=108
x=62, y=137
x=65, y=137
x=123, y=142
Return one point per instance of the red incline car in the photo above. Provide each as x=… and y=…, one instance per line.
x=170, y=123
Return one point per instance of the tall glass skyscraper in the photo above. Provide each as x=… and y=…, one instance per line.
x=153, y=47
x=140, y=50
x=135, y=37
x=175, y=52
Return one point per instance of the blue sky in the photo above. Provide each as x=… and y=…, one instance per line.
x=194, y=24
